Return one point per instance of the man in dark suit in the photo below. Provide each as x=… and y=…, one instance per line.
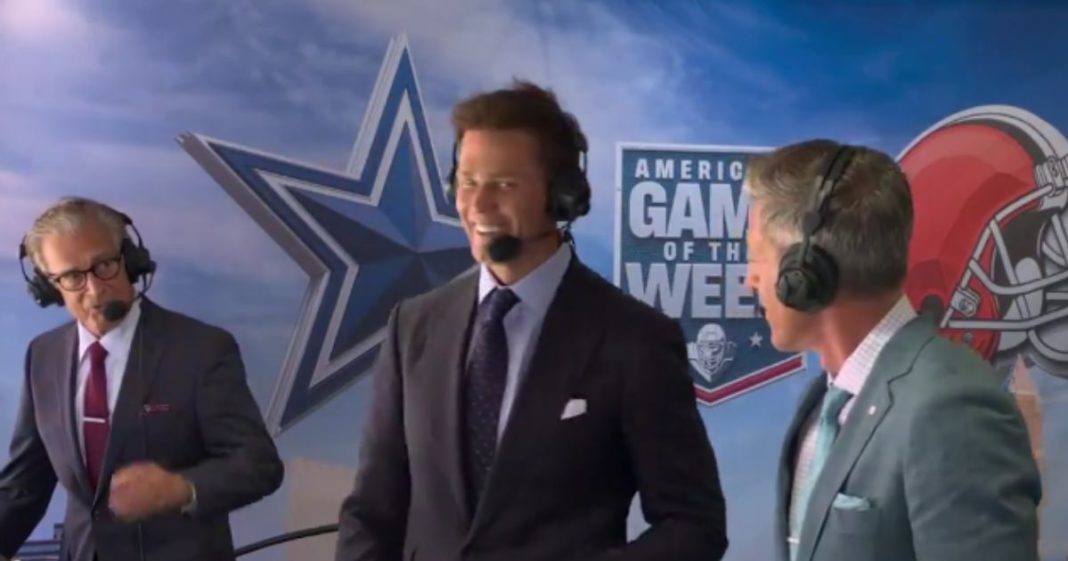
x=518, y=408
x=141, y=413
x=907, y=448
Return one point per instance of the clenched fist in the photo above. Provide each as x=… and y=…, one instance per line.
x=144, y=489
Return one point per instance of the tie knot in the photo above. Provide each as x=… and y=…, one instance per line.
x=497, y=304
x=97, y=352
x=833, y=402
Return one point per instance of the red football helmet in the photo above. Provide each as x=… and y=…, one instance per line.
x=989, y=252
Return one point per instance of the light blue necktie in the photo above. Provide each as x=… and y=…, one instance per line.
x=833, y=402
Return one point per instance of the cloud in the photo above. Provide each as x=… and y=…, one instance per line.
x=40, y=21
x=476, y=45
x=20, y=204
x=184, y=221
x=295, y=81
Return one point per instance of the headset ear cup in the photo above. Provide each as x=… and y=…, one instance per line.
x=569, y=196
x=825, y=272
x=450, y=185
x=450, y=178
x=807, y=285
x=581, y=203
x=42, y=291
x=792, y=284
x=138, y=260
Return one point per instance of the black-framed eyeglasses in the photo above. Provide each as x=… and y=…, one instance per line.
x=75, y=279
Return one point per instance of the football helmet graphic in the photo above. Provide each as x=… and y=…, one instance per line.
x=712, y=352
x=988, y=259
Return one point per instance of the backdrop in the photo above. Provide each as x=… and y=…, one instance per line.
x=283, y=160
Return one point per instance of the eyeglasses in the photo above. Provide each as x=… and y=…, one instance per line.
x=75, y=279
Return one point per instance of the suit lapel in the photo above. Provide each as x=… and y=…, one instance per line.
x=809, y=400
x=450, y=344
x=65, y=371
x=869, y=409
x=145, y=352
x=559, y=357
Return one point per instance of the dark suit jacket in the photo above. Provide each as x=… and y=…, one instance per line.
x=933, y=463
x=560, y=489
x=212, y=433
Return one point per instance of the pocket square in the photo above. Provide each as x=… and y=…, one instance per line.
x=153, y=408
x=574, y=408
x=849, y=502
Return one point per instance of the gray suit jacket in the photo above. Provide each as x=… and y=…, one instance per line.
x=932, y=464
x=184, y=404
x=560, y=488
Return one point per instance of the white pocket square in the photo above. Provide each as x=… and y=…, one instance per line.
x=849, y=502
x=574, y=408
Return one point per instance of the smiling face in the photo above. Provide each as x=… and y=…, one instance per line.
x=502, y=189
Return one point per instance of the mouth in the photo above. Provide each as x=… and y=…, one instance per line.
x=488, y=230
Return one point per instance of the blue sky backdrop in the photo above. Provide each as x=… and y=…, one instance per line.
x=95, y=93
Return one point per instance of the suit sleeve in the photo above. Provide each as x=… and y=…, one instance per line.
x=28, y=480
x=242, y=464
x=374, y=515
x=971, y=483
x=672, y=458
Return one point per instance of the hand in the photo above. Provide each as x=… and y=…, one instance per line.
x=144, y=489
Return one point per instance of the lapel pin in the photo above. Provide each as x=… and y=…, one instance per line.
x=871, y=410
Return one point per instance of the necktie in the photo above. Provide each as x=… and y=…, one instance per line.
x=95, y=422
x=487, y=371
x=826, y=432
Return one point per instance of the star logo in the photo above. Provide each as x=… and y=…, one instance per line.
x=368, y=236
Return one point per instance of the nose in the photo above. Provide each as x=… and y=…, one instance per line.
x=484, y=198
x=93, y=285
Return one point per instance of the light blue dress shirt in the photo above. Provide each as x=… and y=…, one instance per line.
x=522, y=324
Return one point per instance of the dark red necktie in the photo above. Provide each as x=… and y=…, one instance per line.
x=95, y=413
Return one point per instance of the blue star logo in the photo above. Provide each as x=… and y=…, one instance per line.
x=373, y=234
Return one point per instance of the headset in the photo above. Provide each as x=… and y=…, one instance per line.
x=135, y=257
x=569, y=188
x=808, y=274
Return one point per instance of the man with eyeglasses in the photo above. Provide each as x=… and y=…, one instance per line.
x=143, y=414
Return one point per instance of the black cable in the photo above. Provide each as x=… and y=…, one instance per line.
x=283, y=538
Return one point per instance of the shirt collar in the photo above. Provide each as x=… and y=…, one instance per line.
x=118, y=338
x=857, y=368
x=537, y=288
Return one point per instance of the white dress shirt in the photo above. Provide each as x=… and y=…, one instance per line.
x=117, y=343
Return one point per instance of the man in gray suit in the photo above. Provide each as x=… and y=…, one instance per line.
x=518, y=408
x=141, y=413
x=908, y=448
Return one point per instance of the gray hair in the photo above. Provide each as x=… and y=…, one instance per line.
x=68, y=216
x=869, y=217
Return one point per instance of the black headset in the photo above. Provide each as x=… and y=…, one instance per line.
x=569, y=188
x=135, y=257
x=808, y=274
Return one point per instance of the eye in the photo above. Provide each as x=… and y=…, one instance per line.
x=73, y=280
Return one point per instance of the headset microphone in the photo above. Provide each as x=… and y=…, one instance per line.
x=504, y=248
x=507, y=247
x=115, y=310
